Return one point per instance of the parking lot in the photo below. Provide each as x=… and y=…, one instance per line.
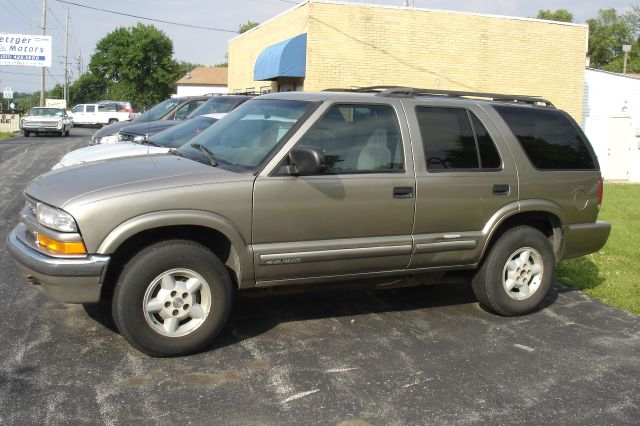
x=424, y=355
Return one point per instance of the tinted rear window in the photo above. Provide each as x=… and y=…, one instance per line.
x=549, y=138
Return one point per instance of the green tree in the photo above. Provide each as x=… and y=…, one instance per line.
x=607, y=33
x=246, y=27
x=136, y=64
x=562, y=15
x=88, y=88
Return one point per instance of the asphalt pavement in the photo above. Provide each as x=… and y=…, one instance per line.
x=424, y=355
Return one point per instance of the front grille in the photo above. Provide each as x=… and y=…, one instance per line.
x=40, y=124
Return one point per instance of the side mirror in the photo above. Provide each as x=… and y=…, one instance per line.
x=306, y=161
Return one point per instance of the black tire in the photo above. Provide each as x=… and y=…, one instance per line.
x=491, y=281
x=66, y=132
x=26, y=134
x=140, y=274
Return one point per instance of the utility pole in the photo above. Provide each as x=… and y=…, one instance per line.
x=65, y=95
x=626, y=48
x=79, y=62
x=43, y=26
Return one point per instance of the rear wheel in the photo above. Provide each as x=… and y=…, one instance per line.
x=172, y=298
x=517, y=273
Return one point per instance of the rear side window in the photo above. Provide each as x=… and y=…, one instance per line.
x=549, y=138
x=454, y=139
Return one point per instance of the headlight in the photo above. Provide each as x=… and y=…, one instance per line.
x=55, y=218
x=109, y=139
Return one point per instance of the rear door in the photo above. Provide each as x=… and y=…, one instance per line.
x=465, y=173
x=356, y=216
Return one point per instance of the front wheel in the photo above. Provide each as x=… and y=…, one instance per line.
x=517, y=274
x=172, y=298
x=26, y=134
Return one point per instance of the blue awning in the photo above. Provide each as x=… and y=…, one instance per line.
x=285, y=59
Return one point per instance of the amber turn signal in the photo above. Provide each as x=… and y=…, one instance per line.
x=62, y=247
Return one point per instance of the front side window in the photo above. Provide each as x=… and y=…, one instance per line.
x=90, y=108
x=248, y=135
x=454, y=139
x=549, y=138
x=357, y=138
x=78, y=108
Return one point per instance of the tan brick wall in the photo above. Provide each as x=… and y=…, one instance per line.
x=356, y=45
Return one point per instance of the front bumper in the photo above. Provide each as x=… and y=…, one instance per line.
x=69, y=280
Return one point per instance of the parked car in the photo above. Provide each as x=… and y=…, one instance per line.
x=97, y=114
x=143, y=143
x=46, y=120
x=165, y=110
x=174, y=109
x=303, y=188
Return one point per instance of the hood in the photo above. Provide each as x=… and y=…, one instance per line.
x=105, y=152
x=103, y=179
x=110, y=129
x=42, y=118
x=149, y=127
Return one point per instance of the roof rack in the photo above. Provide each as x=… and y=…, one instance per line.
x=398, y=91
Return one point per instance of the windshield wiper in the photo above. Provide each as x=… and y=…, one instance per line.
x=206, y=152
x=175, y=151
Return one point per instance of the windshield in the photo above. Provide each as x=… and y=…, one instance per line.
x=158, y=111
x=249, y=133
x=176, y=136
x=47, y=112
x=216, y=105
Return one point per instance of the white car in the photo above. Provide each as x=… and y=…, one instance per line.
x=46, y=120
x=97, y=114
x=160, y=143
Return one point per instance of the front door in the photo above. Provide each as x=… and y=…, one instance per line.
x=356, y=216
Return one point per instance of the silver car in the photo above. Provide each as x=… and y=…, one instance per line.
x=46, y=120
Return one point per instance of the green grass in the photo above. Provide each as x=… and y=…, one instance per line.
x=612, y=275
x=5, y=135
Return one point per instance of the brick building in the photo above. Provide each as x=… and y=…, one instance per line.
x=326, y=44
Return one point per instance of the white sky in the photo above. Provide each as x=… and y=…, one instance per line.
x=203, y=46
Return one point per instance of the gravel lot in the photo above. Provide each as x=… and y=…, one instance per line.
x=426, y=355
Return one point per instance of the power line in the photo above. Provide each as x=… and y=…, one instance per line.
x=54, y=79
x=24, y=73
x=14, y=14
x=147, y=19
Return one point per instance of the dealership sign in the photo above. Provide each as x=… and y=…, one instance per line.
x=21, y=49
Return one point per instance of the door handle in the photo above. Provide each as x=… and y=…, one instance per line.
x=501, y=189
x=403, y=192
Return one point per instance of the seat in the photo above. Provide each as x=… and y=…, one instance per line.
x=375, y=155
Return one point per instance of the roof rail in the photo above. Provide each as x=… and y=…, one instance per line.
x=399, y=91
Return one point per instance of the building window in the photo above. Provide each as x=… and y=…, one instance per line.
x=265, y=89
